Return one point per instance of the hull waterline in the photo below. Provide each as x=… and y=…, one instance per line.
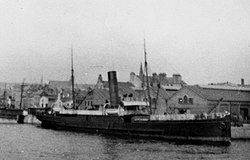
x=216, y=131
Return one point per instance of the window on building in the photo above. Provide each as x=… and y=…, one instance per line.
x=185, y=99
x=153, y=100
x=180, y=100
x=190, y=101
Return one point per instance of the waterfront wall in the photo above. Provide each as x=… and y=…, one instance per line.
x=240, y=132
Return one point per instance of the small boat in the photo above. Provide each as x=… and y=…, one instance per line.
x=8, y=112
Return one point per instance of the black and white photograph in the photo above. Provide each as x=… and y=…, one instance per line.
x=124, y=79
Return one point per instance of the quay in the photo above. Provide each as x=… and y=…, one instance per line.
x=240, y=133
x=16, y=114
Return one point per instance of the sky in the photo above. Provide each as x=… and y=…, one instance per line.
x=205, y=41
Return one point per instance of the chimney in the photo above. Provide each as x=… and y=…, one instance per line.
x=154, y=75
x=162, y=76
x=177, y=78
x=242, y=82
x=154, y=80
x=113, y=89
x=132, y=77
x=99, y=82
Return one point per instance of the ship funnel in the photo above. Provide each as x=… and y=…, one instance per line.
x=113, y=89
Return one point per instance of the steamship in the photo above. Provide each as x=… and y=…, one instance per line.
x=134, y=119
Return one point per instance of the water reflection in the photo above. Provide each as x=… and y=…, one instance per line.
x=30, y=142
x=117, y=148
x=111, y=148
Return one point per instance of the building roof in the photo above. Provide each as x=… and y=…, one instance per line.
x=125, y=90
x=227, y=87
x=60, y=84
x=84, y=86
x=163, y=81
x=100, y=96
x=153, y=93
x=215, y=94
x=120, y=84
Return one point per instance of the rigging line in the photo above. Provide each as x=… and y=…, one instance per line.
x=21, y=98
x=170, y=65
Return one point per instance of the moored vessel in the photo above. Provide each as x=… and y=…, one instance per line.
x=135, y=119
x=9, y=113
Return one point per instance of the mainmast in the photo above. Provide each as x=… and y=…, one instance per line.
x=4, y=95
x=21, y=99
x=72, y=79
x=146, y=68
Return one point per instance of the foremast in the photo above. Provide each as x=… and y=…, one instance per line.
x=72, y=79
x=21, y=96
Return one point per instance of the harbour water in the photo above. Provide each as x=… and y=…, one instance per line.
x=33, y=142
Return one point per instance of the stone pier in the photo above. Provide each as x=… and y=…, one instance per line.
x=241, y=132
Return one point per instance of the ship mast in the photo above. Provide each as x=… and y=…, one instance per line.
x=21, y=99
x=72, y=79
x=4, y=95
x=146, y=68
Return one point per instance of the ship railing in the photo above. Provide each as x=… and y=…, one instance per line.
x=187, y=116
x=121, y=111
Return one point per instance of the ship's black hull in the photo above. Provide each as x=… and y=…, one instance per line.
x=216, y=131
